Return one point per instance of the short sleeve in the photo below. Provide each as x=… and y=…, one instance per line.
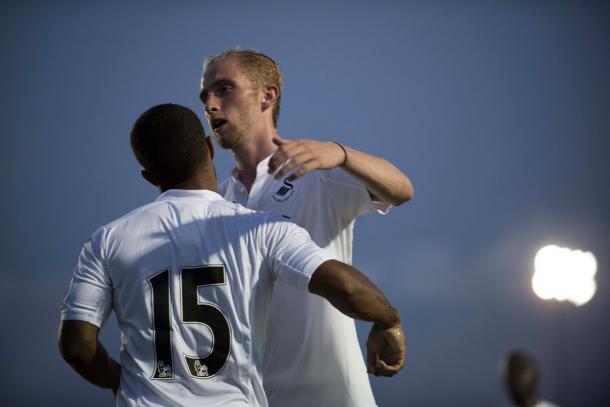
x=291, y=254
x=89, y=297
x=351, y=197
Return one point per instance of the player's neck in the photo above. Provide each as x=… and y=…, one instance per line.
x=200, y=180
x=251, y=152
x=526, y=401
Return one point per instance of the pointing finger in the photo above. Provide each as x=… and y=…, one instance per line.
x=279, y=141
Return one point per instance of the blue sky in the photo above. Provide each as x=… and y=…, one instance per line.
x=498, y=111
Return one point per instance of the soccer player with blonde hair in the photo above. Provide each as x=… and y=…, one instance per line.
x=312, y=356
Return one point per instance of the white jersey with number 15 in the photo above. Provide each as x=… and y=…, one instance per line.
x=189, y=277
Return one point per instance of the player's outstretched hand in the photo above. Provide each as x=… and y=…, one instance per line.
x=305, y=156
x=386, y=350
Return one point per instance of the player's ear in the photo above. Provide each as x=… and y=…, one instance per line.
x=148, y=176
x=208, y=141
x=269, y=96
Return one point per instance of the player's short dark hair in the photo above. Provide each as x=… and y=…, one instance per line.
x=168, y=140
x=521, y=377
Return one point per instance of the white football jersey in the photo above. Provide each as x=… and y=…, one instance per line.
x=312, y=355
x=189, y=277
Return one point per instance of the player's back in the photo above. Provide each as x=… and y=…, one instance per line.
x=191, y=286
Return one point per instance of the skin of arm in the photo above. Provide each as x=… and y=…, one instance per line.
x=79, y=346
x=356, y=296
x=383, y=180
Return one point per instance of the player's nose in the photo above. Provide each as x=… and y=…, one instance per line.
x=212, y=103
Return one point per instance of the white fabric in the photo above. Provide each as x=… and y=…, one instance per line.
x=539, y=403
x=182, y=230
x=544, y=403
x=312, y=355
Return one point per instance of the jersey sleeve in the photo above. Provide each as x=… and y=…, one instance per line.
x=291, y=254
x=89, y=297
x=351, y=196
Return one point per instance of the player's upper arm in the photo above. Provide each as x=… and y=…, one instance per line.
x=291, y=254
x=89, y=297
x=333, y=279
x=77, y=340
x=352, y=293
x=350, y=197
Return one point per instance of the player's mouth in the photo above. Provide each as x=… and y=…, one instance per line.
x=217, y=124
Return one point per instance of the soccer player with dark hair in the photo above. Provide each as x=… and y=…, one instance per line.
x=189, y=277
x=312, y=354
x=521, y=377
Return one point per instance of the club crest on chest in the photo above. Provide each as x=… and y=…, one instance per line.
x=284, y=192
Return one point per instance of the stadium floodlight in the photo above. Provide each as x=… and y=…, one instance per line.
x=564, y=274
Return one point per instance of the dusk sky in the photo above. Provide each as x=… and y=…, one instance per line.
x=498, y=111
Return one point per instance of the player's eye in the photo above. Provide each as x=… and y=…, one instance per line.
x=203, y=96
x=225, y=88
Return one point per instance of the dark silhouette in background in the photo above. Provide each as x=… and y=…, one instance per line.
x=521, y=377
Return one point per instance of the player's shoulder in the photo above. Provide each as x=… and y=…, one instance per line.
x=225, y=205
x=246, y=218
x=102, y=231
x=240, y=213
x=256, y=227
x=134, y=213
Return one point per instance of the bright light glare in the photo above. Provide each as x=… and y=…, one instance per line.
x=564, y=274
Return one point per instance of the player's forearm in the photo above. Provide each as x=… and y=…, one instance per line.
x=353, y=294
x=100, y=370
x=374, y=308
x=379, y=176
x=368, y=304
x=79, y=346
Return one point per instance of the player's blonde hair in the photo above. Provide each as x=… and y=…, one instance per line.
x=260, y=69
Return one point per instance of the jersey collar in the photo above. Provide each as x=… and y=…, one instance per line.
x=189, y=193
x=261, y=168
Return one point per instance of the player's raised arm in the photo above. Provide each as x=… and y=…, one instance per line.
x=356, y=296
x=383, y=180
x=80, y=347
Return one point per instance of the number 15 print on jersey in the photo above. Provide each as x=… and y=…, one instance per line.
x=193, y=312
